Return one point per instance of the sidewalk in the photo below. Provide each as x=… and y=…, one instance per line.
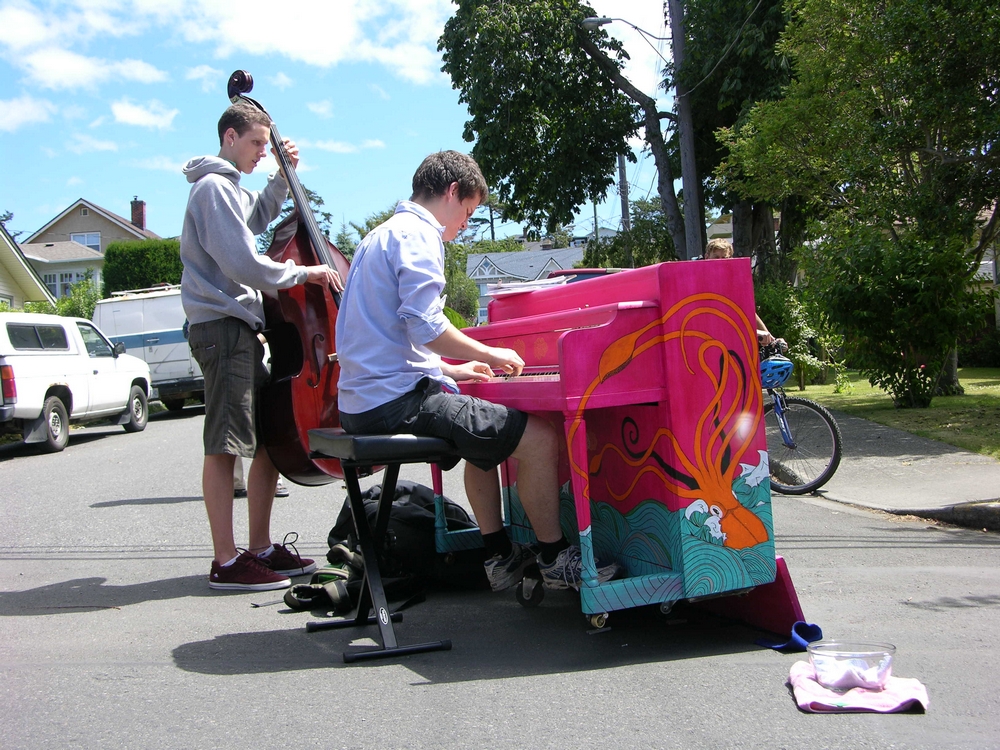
x=894, y=471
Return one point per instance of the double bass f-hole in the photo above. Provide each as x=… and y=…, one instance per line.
x=319, y=355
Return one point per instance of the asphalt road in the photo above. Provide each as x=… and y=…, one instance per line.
x=111, y=637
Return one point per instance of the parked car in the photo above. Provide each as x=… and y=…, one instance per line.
x=152, y=325
x=57, y=371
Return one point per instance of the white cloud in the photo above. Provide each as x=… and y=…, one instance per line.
x=160, y=163
x=85, y=144
x=324, y=108
x=281, y=81
x=400, y=34
x=73, y=181
x=152, y=115
x=15, y=113
x=210, y=77
x=379, y=91
x=55, y=68
x=339, y=147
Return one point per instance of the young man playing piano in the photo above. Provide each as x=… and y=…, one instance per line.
x=391, y=336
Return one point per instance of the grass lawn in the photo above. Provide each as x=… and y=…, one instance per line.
x=971, y=421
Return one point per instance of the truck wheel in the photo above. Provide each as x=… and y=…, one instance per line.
x=173, y=404
x=138, y=410
x=57, y=422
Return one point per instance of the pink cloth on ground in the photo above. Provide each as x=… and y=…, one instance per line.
x=899, y=694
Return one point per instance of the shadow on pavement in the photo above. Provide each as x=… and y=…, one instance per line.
x=866, y=439
x=188, y=411
x=146, y=501
x=492, y=638
x=91, y=594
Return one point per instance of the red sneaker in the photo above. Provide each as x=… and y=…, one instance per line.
x=285, y=559
x=248, y=573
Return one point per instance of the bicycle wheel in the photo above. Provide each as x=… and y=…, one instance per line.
x=814, y=454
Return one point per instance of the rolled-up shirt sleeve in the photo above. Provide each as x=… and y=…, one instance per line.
x=420, y=272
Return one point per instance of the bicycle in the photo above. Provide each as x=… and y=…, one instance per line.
x=803, y=439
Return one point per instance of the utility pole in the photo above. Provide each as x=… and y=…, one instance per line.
x=623, y=190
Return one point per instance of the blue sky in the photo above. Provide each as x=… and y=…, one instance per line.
x=105, y=99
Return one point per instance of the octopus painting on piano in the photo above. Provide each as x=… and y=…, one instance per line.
x=653, y=376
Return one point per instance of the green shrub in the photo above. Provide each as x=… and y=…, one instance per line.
x=140, y=264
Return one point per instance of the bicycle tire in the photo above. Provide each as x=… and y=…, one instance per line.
x=807, y=466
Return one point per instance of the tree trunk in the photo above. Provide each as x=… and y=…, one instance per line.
x=948, y=384
x=693, y=222
x=763, y=247
x=654, y=137
x=742, y=229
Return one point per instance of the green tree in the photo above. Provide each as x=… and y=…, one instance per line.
x=732, y=63
x=323, y=218
x=506, y=245
x=888, y=127
x=648, y=241
x=345, y=241
x=462, y=292
x=547, y=120
x=82, y=298
x=374, y=220
x=139, y=264
x=5, y=217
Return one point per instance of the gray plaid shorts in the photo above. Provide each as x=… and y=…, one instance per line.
x=484, y=433
x=231, y=359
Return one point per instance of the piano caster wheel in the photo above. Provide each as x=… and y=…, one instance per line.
x=599, y=621
x=665, y=607
x=530, y=592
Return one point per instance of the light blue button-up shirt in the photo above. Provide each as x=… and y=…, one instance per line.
x=391, y=308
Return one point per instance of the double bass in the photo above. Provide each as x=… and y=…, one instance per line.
x=300, y=331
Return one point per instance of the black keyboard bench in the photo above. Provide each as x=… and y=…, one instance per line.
x=365, y=452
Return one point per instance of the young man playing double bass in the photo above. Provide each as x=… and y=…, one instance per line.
x=220, y=292
x=391, y=335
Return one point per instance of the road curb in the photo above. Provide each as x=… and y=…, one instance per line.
x=979, y=515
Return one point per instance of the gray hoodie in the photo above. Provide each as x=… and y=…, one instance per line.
x=222, y=270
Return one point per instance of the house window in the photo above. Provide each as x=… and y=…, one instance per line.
x=4, y=299
x=65, y=282
x=84, y=212
x=90, y=239
x=50, y=282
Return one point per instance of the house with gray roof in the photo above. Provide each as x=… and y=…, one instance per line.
x=527, y=265
x=62, y=264
x=64, y=249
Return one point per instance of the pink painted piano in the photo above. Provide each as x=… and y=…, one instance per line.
x=652, y=375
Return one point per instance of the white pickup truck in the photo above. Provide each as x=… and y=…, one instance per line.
x=55, y=371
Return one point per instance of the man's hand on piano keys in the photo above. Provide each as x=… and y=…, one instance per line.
x=506, y=360
x=468, y=372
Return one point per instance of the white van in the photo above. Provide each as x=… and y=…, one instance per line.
x=152, y=325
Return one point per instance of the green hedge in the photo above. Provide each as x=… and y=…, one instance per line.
x=140, y=264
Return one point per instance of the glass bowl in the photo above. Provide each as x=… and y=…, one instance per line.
x=842, y=665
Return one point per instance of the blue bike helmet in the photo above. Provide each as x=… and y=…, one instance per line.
x=775, y=371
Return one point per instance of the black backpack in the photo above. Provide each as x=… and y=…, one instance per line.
x=408, y=549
